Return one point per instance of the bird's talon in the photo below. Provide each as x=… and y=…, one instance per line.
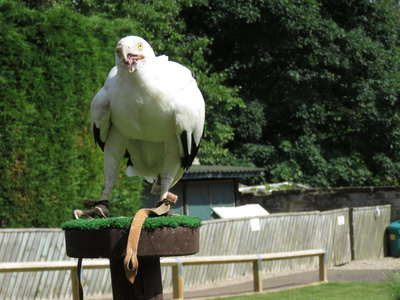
x=77, y=213
x=169, y=202
x=100, y=211
x=103, y=212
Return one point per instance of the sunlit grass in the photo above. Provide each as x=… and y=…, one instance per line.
x=334, y=290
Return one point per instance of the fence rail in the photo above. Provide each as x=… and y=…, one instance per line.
x=176, y=264
x=69, y=265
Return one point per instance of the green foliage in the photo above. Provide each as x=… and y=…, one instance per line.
x=394, y=285
x=307, y=89
x=55, y=55
x=49, y=161
x=125, y=197
x=320, y=80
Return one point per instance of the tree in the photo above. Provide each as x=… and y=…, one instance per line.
x=320, y=82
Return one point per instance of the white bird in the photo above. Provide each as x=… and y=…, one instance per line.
x=151, y=111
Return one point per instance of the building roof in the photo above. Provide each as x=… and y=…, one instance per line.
x=203, y=171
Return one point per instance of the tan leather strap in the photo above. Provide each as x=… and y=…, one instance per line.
x=130, y=262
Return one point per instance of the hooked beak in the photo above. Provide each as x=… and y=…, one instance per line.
x=130, y=59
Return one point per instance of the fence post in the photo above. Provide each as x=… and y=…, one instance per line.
x=323, y=270
x=177, y=280
x=352, y=238
x=75, y=283
x=257, y=275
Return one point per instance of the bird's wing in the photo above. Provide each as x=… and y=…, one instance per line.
x=189, y=113
x=190, y=125
x=100, y=113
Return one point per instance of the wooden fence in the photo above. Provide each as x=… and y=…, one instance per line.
x=41, y=245
x=256, y=260
x=343, y=233
x=335, y=235
x=64, y=265
x=278, y=233
x=368, y=231
x=176, y=264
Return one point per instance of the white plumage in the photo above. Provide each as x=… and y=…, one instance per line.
x=151, y=111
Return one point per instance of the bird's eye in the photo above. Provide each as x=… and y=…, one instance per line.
x=118, y=52
x=140, y=46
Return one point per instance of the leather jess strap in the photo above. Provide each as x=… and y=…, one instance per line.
x=130, y=262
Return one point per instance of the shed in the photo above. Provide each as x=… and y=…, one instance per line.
x=203, y=187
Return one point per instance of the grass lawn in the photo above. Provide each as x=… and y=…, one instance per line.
x=334, y=290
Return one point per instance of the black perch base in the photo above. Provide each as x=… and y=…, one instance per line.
x=148, y=282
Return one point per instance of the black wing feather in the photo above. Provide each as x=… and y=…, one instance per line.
x=96, y=134
x=187, y=159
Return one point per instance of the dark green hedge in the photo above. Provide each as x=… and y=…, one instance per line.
x=55, y=56
x=53, y=62
x=50, y=63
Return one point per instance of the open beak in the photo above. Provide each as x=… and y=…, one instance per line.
x=131, y=60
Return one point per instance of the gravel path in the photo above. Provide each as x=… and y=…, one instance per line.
x=387, y=263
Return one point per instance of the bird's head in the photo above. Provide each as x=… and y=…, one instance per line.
x=130, y=50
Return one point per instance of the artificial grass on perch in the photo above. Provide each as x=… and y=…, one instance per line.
x=124, y=223
x=108, y=238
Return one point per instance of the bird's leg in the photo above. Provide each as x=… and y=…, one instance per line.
x=169, y=171
x=156, y=186
x=114, y=150
x=166, y=197
x=165, y=183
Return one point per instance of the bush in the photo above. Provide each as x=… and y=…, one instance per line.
x=53, y=63
x=55, y=56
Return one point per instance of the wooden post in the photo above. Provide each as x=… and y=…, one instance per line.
x=323, y=270
x=257, y=275
x=147, y=285
x=177, y=280
x=75, y=283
